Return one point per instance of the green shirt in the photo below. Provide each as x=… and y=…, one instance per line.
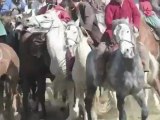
x=2, y=29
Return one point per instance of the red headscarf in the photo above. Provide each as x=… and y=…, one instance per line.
x=63, y=14
x=146, y=7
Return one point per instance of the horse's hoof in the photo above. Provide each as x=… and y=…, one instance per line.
x=43, y=116
x=62, y=109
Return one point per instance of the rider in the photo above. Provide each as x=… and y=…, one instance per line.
x=37, y=5
x=49, y=5
x=89, y=23
x=8, y=5
x=116, y=9
x=88, y=20
x=149, y=15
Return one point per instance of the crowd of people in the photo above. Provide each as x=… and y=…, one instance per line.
x=115, y=9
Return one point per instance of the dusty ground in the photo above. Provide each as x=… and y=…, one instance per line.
x=132, y=109
x=54, y=111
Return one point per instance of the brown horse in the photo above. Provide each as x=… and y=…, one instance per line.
x=148, y=39
x=9, y=77
x=34, y=68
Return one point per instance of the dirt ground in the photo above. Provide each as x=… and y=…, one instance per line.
x=132, y=109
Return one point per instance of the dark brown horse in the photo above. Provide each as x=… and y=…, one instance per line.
x=9, y=78
x=34, y=67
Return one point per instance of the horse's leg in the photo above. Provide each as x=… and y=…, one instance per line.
x=82, y=103
x=33, y=96
x=17, y=98
x=141, y=101
x=156, y=85
x=156, y=100
x=25, y=89
x=41, y=94
x=89, y=101
x=146, y=90
x=8, y=100
x=33, y=88
x=120, y=106
x=78, y=96
x=1, y=95
x=71, y=95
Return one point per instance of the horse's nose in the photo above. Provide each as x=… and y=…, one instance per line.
x=27, y=20
x=129, y=53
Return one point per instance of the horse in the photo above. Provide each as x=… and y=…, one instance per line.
x=10, y=23
x=128, y=76
x=76, y=38
x=54, y=29
x=33, y=73
x=9, y=79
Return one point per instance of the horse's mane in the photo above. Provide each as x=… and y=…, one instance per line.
x=82, y=32
x=121, y=21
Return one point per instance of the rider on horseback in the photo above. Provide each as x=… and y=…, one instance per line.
x=117, y=9
x=89, y=23
x=150, y=16
x=88, y=20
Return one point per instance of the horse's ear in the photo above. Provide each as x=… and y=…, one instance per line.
x=19, y=27
x=127, y=20
x=77, y=22
x=115, y=30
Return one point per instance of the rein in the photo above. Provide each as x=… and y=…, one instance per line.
x=126, y=41
x=75, y=41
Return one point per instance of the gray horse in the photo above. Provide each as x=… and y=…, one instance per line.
x=124, y=72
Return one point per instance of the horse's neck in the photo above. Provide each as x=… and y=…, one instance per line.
x=131, y=64
x=83, y=51
x=56, y=46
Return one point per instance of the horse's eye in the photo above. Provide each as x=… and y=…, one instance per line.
x=127, y=31
x=68, y=28
x=45, y=16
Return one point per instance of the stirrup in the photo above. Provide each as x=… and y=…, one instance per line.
x=154, y=34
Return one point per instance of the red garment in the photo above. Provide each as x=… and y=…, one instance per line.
x=42, y=10
x=63, y=14
x=146, y=7
x=116, y=11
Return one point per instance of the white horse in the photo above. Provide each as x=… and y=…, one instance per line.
x=81, y=50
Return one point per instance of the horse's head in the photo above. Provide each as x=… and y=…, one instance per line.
x=73, y=34
x=45, y=20
x=38, y=44
x=124, y=36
